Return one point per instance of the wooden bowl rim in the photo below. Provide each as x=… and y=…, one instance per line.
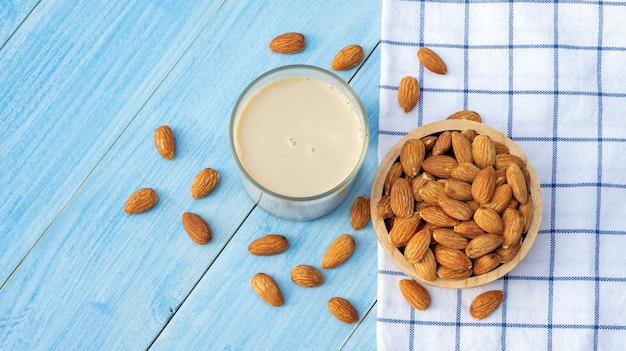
x=454, y=125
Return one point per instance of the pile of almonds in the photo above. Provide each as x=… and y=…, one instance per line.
x=456, y=204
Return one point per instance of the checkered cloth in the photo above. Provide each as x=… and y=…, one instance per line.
x=552, y=76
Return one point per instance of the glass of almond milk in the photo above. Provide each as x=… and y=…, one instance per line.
x=299, y=135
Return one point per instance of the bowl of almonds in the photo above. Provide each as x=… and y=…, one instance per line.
x=456, y=203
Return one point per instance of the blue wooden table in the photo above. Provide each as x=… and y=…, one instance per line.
x=83, y=86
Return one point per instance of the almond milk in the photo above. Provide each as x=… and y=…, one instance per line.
x=299, y=137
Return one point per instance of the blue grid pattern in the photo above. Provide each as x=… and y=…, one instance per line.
x=551, y=76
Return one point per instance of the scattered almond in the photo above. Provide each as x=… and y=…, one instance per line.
x=203, y=184
x=140, y=201
x=433, y=62
x=288, y=43
x=338, y=251
x=408, y=93
x=360, y=212
x=165, y=142
x=197, y=228
x=347, y=58
x=486, y=303
x=343, y=310
x=415, y=294
x=267, y=245
x=267, y=289
x=306, y=276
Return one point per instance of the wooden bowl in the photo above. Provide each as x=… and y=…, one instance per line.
x=381, y=229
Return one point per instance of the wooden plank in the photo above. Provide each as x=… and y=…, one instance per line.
x=224, y=312
x=73, y=76
x=13, y=14
x=364, y=337
x=101, y=280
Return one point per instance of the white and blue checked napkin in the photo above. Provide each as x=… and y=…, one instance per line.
x=552, y=76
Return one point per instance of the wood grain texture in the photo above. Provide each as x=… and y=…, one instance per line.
x=73, y=77
x=13, y=14
x=78, y=141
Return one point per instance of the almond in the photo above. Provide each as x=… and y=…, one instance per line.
x=140, y=201
x=513, y=226
x=267, y=289
x=165, y=142
x=203, y=184
x=403, y=230
x=449, y=238
x=383, y=208
x=343, y=310
x=455, y=208
x=431, y=192
x=458, y=189
x=426, y=268
x=411, y=156
x=466, y=114
x=465, y=171
x=500, y=148
x=526, y=210
x=267, y=245
x=462, y=148
x=408, y=93
x=395, y=172
x=288, y=43
x=504, y=160
x=306, y=276
x=484, y=151
x=347, y=58
x=452, y=258
x=482, y=245
x=485, y=304
x=338, y=251
x=501, y=197
x=468, y=229
x=469, y=134
x=436, y=216
x=486, y=263
x=401, y=197
x=515, y=178
x=443, y=143
x=417, y=246
x=484, y=185
x=489, y=220
x=360, y=212
x=506, y=255
x=440, y=165
x=415, y=294
x=453, y=274
x=197, y=228
x=429, y=142
x=429, y=59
